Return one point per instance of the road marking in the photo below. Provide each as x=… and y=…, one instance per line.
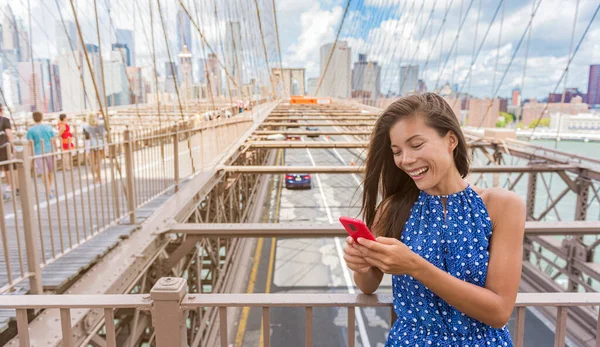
x=239, y=337
x=270, y=269
x=338, y=246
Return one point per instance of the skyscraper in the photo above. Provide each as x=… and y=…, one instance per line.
x=184, y=30
x=126, y=41
x=366, y=78
x=66, y=41
x=409, y=79
x=593, y=94
x=516, y=97
x=213, y=74
x=10, y=32
x=337, y=82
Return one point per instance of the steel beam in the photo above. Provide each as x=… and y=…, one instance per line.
x=321, y=132
x=337, y=118
x=296, y=230
x=344, y=124
x=308, y=144
x=359, y=169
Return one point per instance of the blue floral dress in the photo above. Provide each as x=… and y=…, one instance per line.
x=458, y=245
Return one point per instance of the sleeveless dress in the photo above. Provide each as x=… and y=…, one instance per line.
x=457, y=245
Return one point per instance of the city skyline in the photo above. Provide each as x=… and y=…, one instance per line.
x=329, y=11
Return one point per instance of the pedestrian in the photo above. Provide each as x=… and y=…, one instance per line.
x=42, y=135
x=94, y=144
x=6, y=146
x=454, y=250
x=64, y=132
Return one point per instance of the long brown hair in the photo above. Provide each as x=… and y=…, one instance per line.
x=398, y=190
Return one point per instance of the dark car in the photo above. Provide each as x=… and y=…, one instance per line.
x=293, y=123
x=315, y=129
x=295, y=180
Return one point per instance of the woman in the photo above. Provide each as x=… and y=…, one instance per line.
x=64, y=132
x=94, y=143
x=454, y=250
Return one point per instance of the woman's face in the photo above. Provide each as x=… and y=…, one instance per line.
x=420, y=151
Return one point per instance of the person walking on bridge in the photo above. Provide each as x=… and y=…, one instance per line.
x=6, y=146
x=64, y=132
x=454, y=250
x=43, y=133
x=94, y=143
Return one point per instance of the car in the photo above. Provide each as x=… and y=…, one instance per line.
x=296, y=180
x=293, y=138
x=315, y=129
x=293, y=123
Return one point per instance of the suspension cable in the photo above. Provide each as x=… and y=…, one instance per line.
x=332, y=48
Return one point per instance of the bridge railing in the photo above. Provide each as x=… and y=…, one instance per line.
x=169, y=304
x=62, y=199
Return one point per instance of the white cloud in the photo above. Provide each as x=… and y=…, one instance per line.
x=318, y=28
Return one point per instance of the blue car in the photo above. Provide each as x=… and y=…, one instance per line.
x=297, y=181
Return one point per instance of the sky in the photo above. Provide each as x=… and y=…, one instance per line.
x=390, y=32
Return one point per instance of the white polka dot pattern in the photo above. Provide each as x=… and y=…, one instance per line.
x=458, y=244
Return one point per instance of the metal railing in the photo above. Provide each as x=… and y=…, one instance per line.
x=169, y=305
x=61, y=199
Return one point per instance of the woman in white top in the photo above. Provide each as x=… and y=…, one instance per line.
x=94, y=143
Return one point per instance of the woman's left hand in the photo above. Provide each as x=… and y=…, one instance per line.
x=390, y=255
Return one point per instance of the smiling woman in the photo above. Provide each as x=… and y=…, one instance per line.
x=454, y=256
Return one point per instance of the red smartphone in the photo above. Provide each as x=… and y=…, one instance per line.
x=356, y=228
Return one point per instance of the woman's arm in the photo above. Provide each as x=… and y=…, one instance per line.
x=491, y=304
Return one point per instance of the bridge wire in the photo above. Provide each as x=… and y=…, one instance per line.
x=483, y=40
x=404, y=19
x=405, y=48
x=222, y=44
x=104, y=100
x=87, y=59
x=440, y=31
x=333, y=47
x=265, y=47
x=419, y=44
x=279, y=50
x=509, y=64
x=526, y=58
x=162, y=21
x=454, y=43
x=206, y=42
x=562, y=100
x=204, y=62
x=456, y=50
x=35, y=101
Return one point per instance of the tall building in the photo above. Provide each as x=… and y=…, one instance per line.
x=126, y=41
x=516, y=97
x=186, y=77
x=55, y=103
x=570, y=93
x=337, y=82
x=483, y=112
x=10, y=78
x=170, y=77
x=593, y=94
x=233, y=53
x=409, y=79
x=184, y=30
x=66, y=37
x=213, y=75
x=76, y=96
x=117, y=85
x=200, y=72
x=10, y=32
x=31, y=85
x=136, y=82
x=366, y=78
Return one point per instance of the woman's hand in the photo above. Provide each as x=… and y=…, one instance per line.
x=390, y=255
x=354, y=258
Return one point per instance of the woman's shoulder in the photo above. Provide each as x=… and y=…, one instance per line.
x=500, y=202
